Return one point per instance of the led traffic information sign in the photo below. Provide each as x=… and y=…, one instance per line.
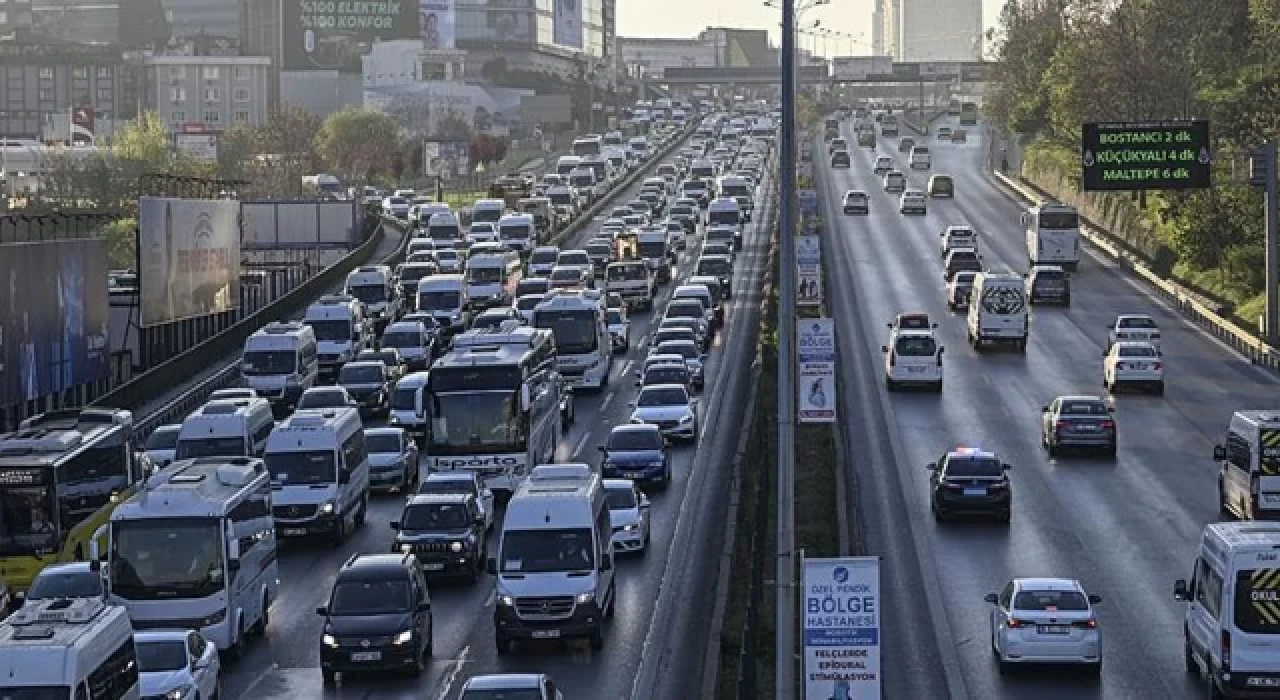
x=1146, y=156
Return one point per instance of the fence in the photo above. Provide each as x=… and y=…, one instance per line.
x=52, y=225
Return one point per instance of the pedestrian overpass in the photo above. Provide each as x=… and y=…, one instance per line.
x=841, y=71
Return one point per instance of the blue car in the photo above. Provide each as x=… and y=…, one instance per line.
x=637, y=452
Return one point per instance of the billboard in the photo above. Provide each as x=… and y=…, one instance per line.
x=438, y=21
x=199, y=146
x=1171, y=155
x=446, y=159
x=567, y=21
x=505, y=21
x=841, y=624
x=53, y=317
x=190, y=252
x=816, y=352
x=808, y=271
x=333, y=34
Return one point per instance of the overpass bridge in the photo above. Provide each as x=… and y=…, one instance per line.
x=872, y=70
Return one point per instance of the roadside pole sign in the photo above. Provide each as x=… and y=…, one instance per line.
x=808, y=270
x=1171, y=155
x=841, y=598
x=808, y=197
x=816, y=378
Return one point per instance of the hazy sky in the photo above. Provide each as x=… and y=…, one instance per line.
x=685, y=18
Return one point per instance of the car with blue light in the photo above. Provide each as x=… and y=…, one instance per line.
x=970, y=481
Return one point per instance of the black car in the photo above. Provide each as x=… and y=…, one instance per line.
x=445, y=531
x=969, y=482
x=670, y=373
x=378, y=617
x=1048, y=283
x=906, y=144
x=369, y=384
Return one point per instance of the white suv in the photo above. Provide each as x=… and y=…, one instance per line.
x=912, y=202
x=912, y=358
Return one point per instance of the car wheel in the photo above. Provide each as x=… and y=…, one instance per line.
x=363, y=512
x=1188, y=657
x=596, y=639
x=1052, y=448
x=890, y=384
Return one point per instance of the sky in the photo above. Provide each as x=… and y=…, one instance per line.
x=685, y=18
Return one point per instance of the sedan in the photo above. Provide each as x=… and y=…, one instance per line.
x=522, y=686
x=321, y=397
x=1045, y=620
x=629, y=516
x=178, y=664
x=895, y=181
x=1133, y=363
x=1078, y=421
x=393, y=459
x=857, y=202
x=912, y=202
x=670, y=407
x=637, y=452
x=1133, y=327
x=968, y=481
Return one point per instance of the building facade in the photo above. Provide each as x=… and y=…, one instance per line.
x=207, y=93
x=934, y=30
x=649, y=57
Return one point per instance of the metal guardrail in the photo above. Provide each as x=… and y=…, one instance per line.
x=1184, y=300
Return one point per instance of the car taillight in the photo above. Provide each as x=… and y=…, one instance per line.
x=1086, y=624
x=1108, y=424
x=1226, y=651
x=1015, y=623
x=1062, y=425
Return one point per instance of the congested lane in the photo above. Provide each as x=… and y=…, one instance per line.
x=1125, y=527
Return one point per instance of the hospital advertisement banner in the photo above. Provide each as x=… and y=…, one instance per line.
x=567, y=20
x=841, y=628
x=816, y=378
x=190, y=252
x=438, y=20
x=808, y=271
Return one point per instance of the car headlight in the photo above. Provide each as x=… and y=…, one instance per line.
x=214, y=618
x=329, y=641
x=327, y=508
x=656, y=463
x=631, y=528
x=506, y=601
x=456, y=546
x=587, y=597
x=403, y=638
x=179, y=693
x=687, y=418
x=393, y=420
x=406, y=548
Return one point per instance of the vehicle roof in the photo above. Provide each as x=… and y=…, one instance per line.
x=637, y=427
x=619, y=485
x=160, y=635
x=1047, y=584
x=915, y=332
x=454, y=475
x=384, y=430
x=1134, y=316
x=547, y=249
x=360, y=566
x=168, y=428
x=656, y=387
x=1081, y=397
x=361, y=364
x=426, y=499
x=504, y=681
x=659, y=358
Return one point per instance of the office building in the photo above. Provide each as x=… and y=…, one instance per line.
x=933, y=30
x=207, y=94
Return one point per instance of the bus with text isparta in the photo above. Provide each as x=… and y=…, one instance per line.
x=61, y=475
x=583, y=345
x=494, y=405
x=1053, y=234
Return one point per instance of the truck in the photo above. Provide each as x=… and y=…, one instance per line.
x=632, y=280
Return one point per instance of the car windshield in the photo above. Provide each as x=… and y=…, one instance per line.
x=504, y=694
x=77, y=584
x=370, y=597
x=447, y=486
x=913, y=322
x=578, y=258
x=542, y=257
x=302, y=468
x=683, y=348
x=368, y=293
x=666, y=375
x=613, y=317
x=158, y=656
x=164, y=438
x=402, y=339
x=322, y=398
x=435, y=516
x=1138, y=351
x=382, y=442
x=915, y=346
x=1083, y=408
x=447, y=254
x=973, y=466
x=1050, y=275
x=575, y=331
x=360, y=374
x=620, y=498
x=681, y=210
x=540, y=551
x=533, y=286
x=965, y=279
x=662, y=396
x=1051, y=601
x=483, y=227
x=261, y=362
x=192, y=448
x=334, y=331
x=439, y=301
x=714, y=267
x=665, y=334
x=1137, y=323
x=484, y=275
x=602, y=250
x=516, y=232
x=632, y=440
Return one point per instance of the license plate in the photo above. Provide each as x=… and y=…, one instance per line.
x=546, y=634
x=635, y=475
x=975, y=491
x=1052, y=629
x=1088, y=428
x=433, y=566
x=915, y=370
x=293, y=532
x=1270, y=499
x=366, y=656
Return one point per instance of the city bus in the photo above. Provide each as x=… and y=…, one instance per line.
x=494, y=405
x=61, y=475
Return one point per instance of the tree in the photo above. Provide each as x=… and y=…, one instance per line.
x=453, y=127
x=359, y=143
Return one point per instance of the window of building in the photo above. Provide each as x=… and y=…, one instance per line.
x=212, y=117
x=46, y=94
x=104, y=72
x=177, y=72
x=80, y=72
x=241, y=72
x=241, y=94
x=212, y=95
x=177, y=94
x=46, y=72
x=104, y=94
x=242, y=116
x=209, y=72
x=4, y=17
x=177, y=117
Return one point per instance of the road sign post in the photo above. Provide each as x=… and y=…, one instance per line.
x=1262, y=174
x=785, y=573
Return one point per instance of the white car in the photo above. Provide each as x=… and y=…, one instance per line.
x=1133, y=327
x=1045, y=620
x=619, y=328
x=462, y=481
x=959, y=289
x=857, y=202
x=920, y=159
x=958, y=237
x=397, y=207
x=527, y=686
x=162, y=444
x=482, y=232
x=1135, y=363
x=895, y=181
x=884, y=165
x=177, y=664
x=912, y=358
x=912, y=202
x=670, y=407
x=242, y=392
x=629, y=515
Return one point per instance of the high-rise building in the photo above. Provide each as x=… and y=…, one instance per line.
x=933, y=30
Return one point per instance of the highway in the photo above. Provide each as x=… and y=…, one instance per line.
x=286, y=663
x=1125, y=527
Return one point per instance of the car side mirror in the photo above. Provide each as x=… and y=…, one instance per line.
x=931, y=466
x=395, y=524
x=991, y=598
x=1044, y=409
x=1181, y=591
x=322, y=610
x=884, y=348
x=601, y=448
x=1219, y=452
x=491, y=566
x=1006, y=466
x=1094, y=598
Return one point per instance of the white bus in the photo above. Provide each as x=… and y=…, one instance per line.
x=280, y=361
x=494, y=403
x=68, y=648
x=319, y=473
x=585, y=350
x=492, y=278
x=195, y=548
x=1053, y=234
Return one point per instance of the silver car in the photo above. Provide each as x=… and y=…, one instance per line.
x=393, y=459
x=670, y=407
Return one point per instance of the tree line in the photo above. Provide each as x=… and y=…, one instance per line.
x=1061, y=63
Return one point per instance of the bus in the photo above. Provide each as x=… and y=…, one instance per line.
x=1053, y=234
x=196, y=547
x=61, y=475
x=494, y=404
x=969, y=113
x=583, y=344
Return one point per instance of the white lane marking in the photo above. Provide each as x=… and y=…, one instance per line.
x=493, y=596
x=258, y=679
x=626, y=366
x=582, y=443
x=608, y=397
x=453, y=674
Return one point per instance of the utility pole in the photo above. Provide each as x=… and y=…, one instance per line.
x=1262, y=174
x=786, y=568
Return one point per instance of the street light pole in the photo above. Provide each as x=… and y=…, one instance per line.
x=785, y=573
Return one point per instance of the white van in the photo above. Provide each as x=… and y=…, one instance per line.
x=319, y=472
x=725, y=211
x=555, y=566
x=518, y=232
x=487, y=211
x=341, y=331
x=998, y=310
x=407, y=410
x=375, y=287
x=280, y=361
x=443, y=227
x=1231, y=628
x=492, y=278
x=920, y=158
x=63, y=647
x=1249, y=465
x=445, y=298
x=568, y=164
x=226, y=428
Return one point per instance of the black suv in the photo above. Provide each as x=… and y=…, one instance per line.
x=444, y=532
x=378, y=617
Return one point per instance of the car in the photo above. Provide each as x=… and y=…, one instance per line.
x=1078, y=421
x=393, y=459
x=77, y=579
x=1133, y=327
x=969, y=481
x=670, y=407
x=1048, y=283
x=619, y=328
x=482, y=232
x=177, y=663
x=572, y=277
x=233, y=393
x=960, y=260
x=1045, y=620
x=542, y=259
x=322, y=397
x=857, y=202
x=665, y=371
x=465, y=482
x=944, y=133
x=912, y=358
x=449, y=260
x=1135, y=363
x=414, y=339
x=714, y=248
x=629, y=516
x=837, y=144
x=368, y=384
x=883, y=165
x=162, y=444
x=525, y=305
x=446, y=532
x=390, y=358
x=920, y=158
x=959, y=289
x=510, y=686
x=636, y=220
x=662, y=335
x=496, y=316
x=378, y=617
x=941, y=187
x=958, y=237
x=906, y=144
x=895, y=181
x=637, y=452
x=912, y=202
x=692, y=354
x=840, y=159
x=912, y=320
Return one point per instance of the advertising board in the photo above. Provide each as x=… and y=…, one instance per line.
x=53, y=317
x=1172, y=155
x=332, y=34
x=808, y=271
x=567, y=23
x=199, y=146
x=190, y=252
x=841, y=628
x=816, y=384
x=857, y=68
x=273, y=225
x=438, y=21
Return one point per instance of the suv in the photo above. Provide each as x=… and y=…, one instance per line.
x=378, y=617
x=445, y=531
x=369, y=384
